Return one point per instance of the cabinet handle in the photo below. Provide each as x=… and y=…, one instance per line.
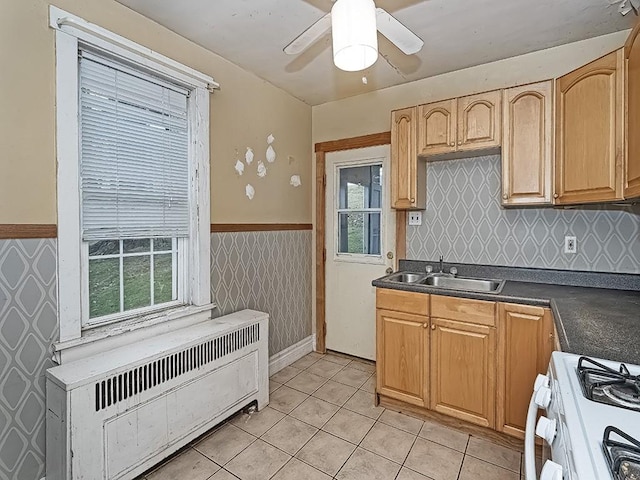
x=452, y=144
x=459, y=143
x=555, y=195
x=413, y=200
x=433, y=327
x=425, y=325
x=505, y=196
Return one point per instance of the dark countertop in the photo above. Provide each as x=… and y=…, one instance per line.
x=598, y=322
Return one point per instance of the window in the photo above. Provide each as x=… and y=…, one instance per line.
x=133, y=181
x=359, y=209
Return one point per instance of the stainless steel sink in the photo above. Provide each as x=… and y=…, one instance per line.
x=461, y=283
x=407, y=277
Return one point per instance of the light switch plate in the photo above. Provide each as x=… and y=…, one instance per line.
x=415, y=218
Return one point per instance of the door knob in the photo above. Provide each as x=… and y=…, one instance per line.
x=390, y=255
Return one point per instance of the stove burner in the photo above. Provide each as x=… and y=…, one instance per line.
x=623, y=458
x=606, y=385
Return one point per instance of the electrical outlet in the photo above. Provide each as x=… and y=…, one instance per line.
x=570, y=245
x=415, y=218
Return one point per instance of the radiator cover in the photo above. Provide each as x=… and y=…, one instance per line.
x=114, y=415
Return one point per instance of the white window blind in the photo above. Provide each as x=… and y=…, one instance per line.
x=133, y=153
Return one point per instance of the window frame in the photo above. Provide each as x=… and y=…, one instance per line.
x=365, y=258
x=72, y=33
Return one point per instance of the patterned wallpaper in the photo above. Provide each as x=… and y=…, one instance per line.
x=28, y=326
x=465, y=222
x=267, y=271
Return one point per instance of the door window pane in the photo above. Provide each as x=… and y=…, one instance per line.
x=360, y=187
x=359, y=232
x=359, y=210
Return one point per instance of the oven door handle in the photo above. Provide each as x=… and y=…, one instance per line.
x=530, y=430
x=530, y=440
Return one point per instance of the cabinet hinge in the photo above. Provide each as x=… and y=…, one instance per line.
x=324, y=254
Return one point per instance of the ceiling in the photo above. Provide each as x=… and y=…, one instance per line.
x=457, y=34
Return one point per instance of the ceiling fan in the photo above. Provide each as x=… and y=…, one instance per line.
x=354, y=25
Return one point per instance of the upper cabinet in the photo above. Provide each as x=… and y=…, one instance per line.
x=460, y=124
x=527, y=144
x=632, y=180
x=437, y=127
x=408, y=175
x=479, y=121
x=590, y=122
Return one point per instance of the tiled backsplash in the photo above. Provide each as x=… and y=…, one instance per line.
x=465, y=223
x=266, y=271
x=28, y=326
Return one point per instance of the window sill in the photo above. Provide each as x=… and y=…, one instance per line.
x=106, y=337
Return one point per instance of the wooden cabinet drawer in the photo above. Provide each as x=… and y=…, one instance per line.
x=464, y=310
x=401, y=301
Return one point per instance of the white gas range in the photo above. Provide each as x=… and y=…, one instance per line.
x=585, y=439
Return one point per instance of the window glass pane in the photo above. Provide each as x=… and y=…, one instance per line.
x=359, y=232
x=136, y=245
x=163, y=278
x=137, y=282
x=360, y=187
x=162, y=244
x=104, y=286
x=104, y=247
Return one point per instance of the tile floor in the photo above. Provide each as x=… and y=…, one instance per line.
x=321, y=423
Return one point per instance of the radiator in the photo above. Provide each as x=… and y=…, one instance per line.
x=115, y=415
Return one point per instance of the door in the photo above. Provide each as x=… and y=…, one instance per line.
x=404, y=161
x=527, y=148
x=463, y=371
x=479, y=120
x=360, y=246
x=437, y=127
x=403, y=360
x=589, y=132
x=525, y=342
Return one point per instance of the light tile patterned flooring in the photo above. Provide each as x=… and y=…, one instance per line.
x=321, y=423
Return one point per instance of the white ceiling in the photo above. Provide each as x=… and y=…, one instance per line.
x=457, y=34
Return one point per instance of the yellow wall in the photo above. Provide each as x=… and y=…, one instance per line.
x=370, y=112
x=243, y=113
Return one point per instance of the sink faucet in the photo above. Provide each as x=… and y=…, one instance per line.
x=441, y=267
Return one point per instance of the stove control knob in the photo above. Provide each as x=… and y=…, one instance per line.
x=543, y=397
x=546, y=429
x=541, y=381
x=551, y=471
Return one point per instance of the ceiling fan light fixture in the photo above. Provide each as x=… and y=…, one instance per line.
x=355, y=35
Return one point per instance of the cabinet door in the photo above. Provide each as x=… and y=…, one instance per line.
x=525, y=342
x=479, y=122
x=589, y=132
x=406, y=172
x=632, y=179
x=527, y=129
x=437, y=127
x=402, y=360
x=463, y=371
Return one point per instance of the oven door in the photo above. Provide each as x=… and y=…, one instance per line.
x=546, y=428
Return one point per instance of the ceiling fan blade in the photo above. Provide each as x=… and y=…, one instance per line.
x=397, y=33
x=310, y=35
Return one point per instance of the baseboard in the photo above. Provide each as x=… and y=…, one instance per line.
x=290, y=354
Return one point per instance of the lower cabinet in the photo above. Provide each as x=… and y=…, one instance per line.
x=462, y=357
x=402, y=356
x=463, y=364
x=525, y=343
